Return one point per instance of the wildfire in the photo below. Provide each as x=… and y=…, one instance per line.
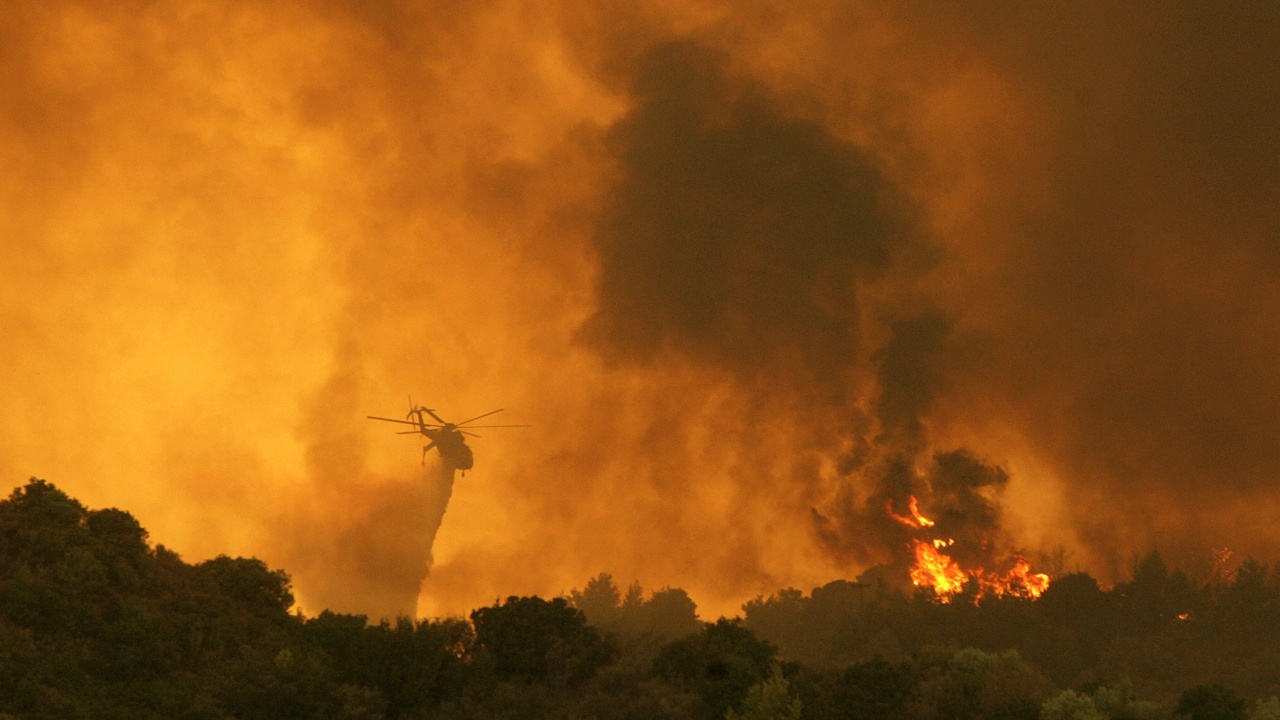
x=1018, y=581
x=916, y=520
x=935, y=569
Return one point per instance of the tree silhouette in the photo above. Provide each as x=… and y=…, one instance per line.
x=719, y=664
x=1210, y=702
x=769, y=699
x=534, y=639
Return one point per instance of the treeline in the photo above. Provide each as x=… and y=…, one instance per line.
x=97, y=623
x=1159, y=631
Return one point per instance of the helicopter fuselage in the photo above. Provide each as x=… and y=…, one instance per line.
x=452, y=446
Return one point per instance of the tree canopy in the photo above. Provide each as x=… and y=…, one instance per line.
x=96, y=622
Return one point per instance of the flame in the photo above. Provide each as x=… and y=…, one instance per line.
x=1018, y=581
x=935, y=569
x=916, y=520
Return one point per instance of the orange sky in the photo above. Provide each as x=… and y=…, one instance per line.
x=731, y=260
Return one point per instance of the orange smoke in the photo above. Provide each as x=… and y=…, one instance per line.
x=230, y=231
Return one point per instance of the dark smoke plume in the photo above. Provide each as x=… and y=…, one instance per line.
x=736, y=235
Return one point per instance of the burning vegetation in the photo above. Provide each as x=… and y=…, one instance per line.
x=937, y=523
x=934, y=567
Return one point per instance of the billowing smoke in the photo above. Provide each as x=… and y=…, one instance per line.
x=736, y=235
x=755, y=273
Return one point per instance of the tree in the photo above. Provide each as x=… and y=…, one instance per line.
x=1155, y=596
x=412, y=664
x=534, y=639
x=769, y=699
x=668, y=614
x=599, y=601
x=1074, y=600
x=973, y=684
x=1268, y=709
x=1104, y=703
x=1071, y=705
x=1250, y=599
x=251, y=584
x=874, y=689
x=1210, y=702
x=718, y=664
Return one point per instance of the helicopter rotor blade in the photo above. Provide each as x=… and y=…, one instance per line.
x=471, y=427
x=464, y=422
x=402, y=422
x=409, y=432
x=464, y=432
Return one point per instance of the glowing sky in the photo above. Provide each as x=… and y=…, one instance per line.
x=732, y=260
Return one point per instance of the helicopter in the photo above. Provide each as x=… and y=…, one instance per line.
x=445, y=436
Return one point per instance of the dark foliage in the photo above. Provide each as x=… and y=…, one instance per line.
x=1210, y=702
x=1162, y=630
x=718, y=664
x=529, y=638
x=97, y=623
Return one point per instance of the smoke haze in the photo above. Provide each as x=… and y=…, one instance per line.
x=752, y=270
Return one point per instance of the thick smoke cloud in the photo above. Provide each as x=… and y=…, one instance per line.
x=753, y=272
x=908, y=379
x=737, y=236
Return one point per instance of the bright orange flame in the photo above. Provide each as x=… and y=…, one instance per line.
x=916, y=520
x=1019, y=581
x=937, y=570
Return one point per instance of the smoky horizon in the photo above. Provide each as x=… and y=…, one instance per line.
x=761, y=277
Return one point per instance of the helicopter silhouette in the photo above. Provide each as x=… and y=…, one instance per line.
x=445, y=436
